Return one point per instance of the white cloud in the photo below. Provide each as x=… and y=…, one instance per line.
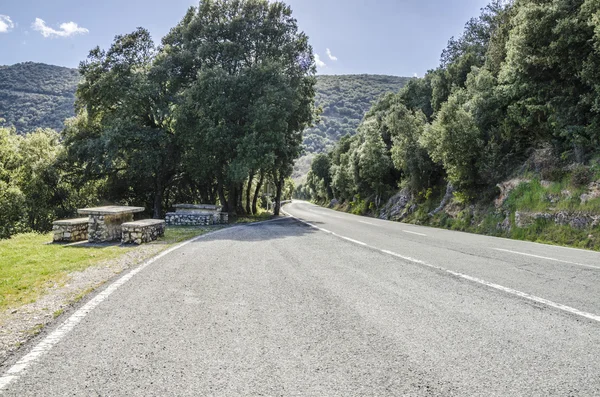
x=333, y=58
x=66, y=29
x=415, y=75
x=6, y=23
x=320, y=64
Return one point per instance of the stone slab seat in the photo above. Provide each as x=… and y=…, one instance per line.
x=142, y=231
x=70, y=230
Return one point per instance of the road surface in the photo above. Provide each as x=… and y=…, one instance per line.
x=361, y=307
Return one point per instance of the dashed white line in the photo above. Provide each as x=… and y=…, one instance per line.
x=546, y=258
x=367, y=223
x=498, y=287
x=418, y=234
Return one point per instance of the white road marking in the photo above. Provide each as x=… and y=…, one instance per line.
x=367, y=223
x=547, y=258
x=59, y=333
x=418, y=234
x=498, y=287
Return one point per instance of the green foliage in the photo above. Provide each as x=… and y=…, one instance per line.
x=455, y=141
x=344, y=100
x=195, y=119
x=34, y=186
x=35, y=95
x=580, y=176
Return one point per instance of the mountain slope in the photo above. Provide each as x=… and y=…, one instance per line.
x=344, y=99
x=34, y=95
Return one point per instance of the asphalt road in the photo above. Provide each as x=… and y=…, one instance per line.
x=362, y=308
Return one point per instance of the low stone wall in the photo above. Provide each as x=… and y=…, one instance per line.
x=577, y=220
x=196, y=219
x=143, y=231
x=70, y=230
x=106, y=227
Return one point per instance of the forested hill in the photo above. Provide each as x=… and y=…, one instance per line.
x=36, y=95
x=345, y=100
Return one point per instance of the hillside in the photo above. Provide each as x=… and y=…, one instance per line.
x=36, y=95
x=344, y=100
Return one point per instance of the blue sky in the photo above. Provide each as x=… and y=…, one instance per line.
x=396, y=37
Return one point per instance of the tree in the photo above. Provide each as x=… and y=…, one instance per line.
x=374, y=164
x=454, y=140
x=126, y=129
x=247, y=79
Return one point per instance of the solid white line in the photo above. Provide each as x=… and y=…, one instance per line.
x=498, y=287
x=418, y=234
x=59, y=333
x=547, y=258
x=367, y=223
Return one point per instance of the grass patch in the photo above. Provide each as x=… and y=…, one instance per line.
x=30, y=264
x=261, y=216
x=178, y=234
x=548, y=232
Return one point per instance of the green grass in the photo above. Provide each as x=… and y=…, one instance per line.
x=178, y=234
x=558, y=196
x=30, y=264
x=261, y=216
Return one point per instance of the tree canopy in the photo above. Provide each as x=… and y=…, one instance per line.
x=523, y=76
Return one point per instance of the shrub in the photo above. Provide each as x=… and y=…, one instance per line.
x=580, y=176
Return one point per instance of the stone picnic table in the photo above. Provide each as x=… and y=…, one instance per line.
x=105, y=222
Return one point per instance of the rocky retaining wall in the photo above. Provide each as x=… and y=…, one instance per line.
x=577, y=220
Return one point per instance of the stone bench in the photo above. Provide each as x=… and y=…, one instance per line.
x=142, y=231
x=70, y=230
x=196, y=215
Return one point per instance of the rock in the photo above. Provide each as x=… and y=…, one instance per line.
x=395, y=208
x=506, y=188
x=505, y=224
x=447, y=197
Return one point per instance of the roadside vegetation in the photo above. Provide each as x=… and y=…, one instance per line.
x=502, y=138
x=183, y=121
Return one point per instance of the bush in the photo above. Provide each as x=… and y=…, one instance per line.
x=581, y=176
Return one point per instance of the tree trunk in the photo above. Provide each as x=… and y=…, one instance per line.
x=248, y=193
x=279, y=187
x=222, y=198
x=232, y=201
x=240, y=199
x=256, y=192
x=158, y=197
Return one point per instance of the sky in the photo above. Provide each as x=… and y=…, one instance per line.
x=394, y=37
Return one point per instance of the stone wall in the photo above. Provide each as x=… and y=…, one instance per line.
x=142, y=231
x=106, y=227
x=577, y=220
x=70, y=230
x=196, y=219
